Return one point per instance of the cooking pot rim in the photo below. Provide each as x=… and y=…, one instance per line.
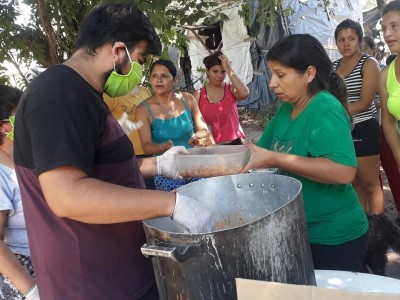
x=207, y=233
x=235, y=227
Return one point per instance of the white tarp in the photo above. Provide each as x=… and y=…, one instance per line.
x=234, y=33
x=321, y=22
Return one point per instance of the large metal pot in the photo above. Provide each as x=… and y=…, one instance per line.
x=261, y=234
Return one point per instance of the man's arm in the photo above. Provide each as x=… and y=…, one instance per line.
x=70, y=193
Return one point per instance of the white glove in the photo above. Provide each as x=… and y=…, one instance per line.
x=127, y=125
x=33, y=293
x=166, y=164
x=193, y=215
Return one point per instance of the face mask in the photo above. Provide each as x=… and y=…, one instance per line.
x=10, y=134
x=119, y=85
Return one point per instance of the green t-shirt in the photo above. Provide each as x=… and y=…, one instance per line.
x=333, y=212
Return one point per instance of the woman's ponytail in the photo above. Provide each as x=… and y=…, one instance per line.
x=337, y=87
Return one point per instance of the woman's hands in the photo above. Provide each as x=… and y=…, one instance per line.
x=238, y=88
x=166, y=146
x=260, y=158
x=201, y=139
x=225, y=63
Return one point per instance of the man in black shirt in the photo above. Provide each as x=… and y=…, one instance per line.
x=82, y=187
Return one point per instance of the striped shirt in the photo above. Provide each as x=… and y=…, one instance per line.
x=354, y=85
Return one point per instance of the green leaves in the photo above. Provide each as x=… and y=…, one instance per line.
x=266, y=12
x=48, y=36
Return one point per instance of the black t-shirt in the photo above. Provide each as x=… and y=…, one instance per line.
x=62, y=121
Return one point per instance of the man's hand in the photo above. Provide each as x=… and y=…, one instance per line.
x=193, y=215
x=127, y=125
x=166, y=163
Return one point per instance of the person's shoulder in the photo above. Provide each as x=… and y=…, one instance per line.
x=371, y=61
x=383, y=75
x=58, y=70
x=187, y=96
x=107, y=98
x=57, y=77
x=325, y=100
x=4, y=169
x=196, y=93
x=49, y=84
x=385, y=70
x=144, y=91
x=142, y=105
x=5, y=174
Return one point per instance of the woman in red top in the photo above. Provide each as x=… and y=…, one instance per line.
x=218, y=100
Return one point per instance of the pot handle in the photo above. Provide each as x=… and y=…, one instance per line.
x=178, y=253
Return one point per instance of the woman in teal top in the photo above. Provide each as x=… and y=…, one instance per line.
x=164, y=130
x=169, y=119
x=309, y=138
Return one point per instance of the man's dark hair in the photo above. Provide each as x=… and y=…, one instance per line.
x=111, y=22
x=9, y=98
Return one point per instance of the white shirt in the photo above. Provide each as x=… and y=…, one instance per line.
x=10, y=199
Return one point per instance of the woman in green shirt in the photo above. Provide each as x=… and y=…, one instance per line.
x=309, y=138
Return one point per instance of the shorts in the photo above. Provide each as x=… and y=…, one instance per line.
x=237, y=141
x=343, y=257
x=367, y=138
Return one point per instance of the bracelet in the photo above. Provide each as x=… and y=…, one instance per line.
x=173, y=210
x=162, y=147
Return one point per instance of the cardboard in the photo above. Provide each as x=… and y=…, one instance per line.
x=255, y=289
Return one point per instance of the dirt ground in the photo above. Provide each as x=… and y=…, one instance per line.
x=253, y=123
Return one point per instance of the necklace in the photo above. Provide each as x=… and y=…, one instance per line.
x=169, y=109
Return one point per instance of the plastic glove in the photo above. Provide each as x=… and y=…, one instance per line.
x=166, y=164
x=33, y=294
x=193, y=215
x=127, y=125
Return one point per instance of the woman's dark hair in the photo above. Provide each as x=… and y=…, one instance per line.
x=390, y=58
x=300, y=51
x=212, y=60
x=349, y=24
x=370, y=42
x=166, y=63
x=112, y=22
x=391, y=6
x=9, y=98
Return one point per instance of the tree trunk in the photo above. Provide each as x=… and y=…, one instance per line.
x=50, y=35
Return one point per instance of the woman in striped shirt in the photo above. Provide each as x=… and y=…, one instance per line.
x=360, y=72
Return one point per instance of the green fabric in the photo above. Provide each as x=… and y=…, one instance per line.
x=333, y=212
x=393, y=89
